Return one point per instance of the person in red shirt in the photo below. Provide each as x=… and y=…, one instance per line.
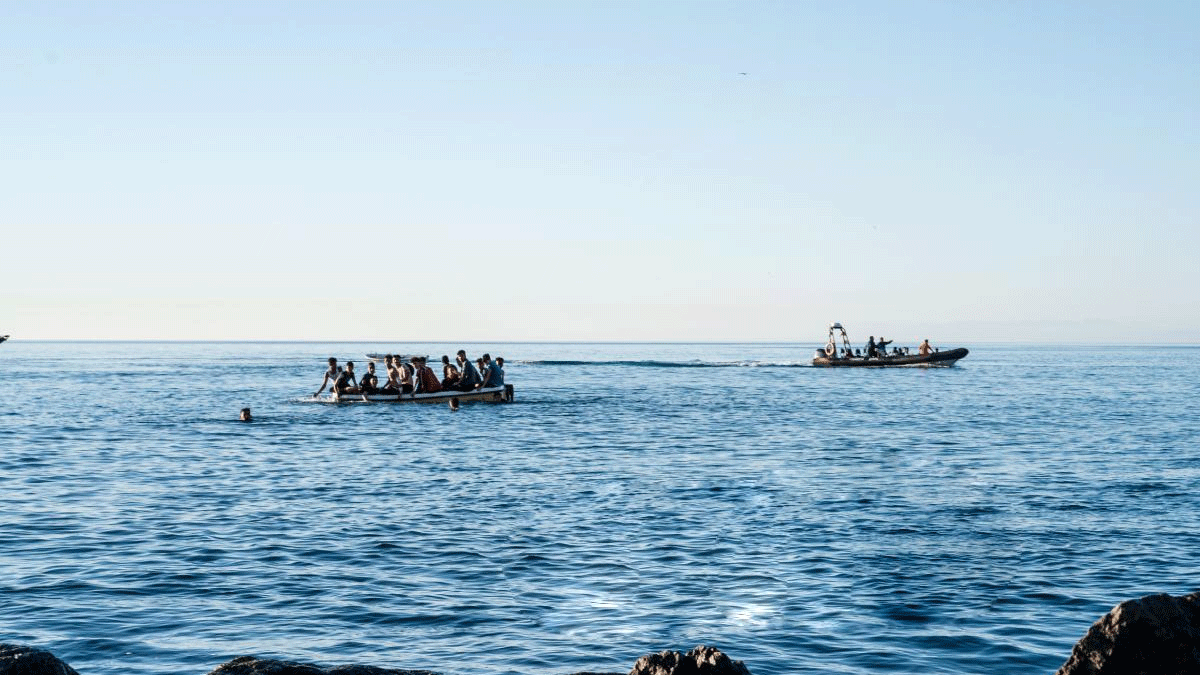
x=425, y=381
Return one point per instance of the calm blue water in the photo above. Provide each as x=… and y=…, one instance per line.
x=635, y=498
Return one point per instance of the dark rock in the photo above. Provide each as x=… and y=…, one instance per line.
x=700, y=661
x=249, y=665
x=19, y=660
x=1154, y=635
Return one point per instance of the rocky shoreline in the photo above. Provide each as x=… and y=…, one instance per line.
x=1152, y=635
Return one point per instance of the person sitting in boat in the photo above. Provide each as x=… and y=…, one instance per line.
x=426, y=380
x=871, y=350
x=489, y=373
x=495, y=376
x=484, y=364
x=369, y=384
x=331, y=375
x=469, y=376
x=346, y=382
x=450, y=373
x=925, y=349
x=392, y=385
x=405, y=374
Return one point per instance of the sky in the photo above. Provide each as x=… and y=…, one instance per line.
x=675, y=171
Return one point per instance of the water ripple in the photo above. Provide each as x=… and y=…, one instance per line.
x=637, y=497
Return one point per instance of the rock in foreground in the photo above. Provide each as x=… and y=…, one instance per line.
x=19, y=660
x=700, y=661
x=1154, y=635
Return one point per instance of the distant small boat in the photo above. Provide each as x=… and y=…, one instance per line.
x=829, y=356
x=373, y=356
x=503, y=394
x=3, y=338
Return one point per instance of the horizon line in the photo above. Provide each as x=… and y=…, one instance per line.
x=1160, y=343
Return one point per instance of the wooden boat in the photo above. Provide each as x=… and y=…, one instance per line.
x=503, y=394
x=829, y=356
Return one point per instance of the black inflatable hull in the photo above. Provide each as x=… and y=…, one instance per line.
x=934, y=360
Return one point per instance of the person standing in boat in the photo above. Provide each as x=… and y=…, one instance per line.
x=450, y=374
x=469, y=376
x=331, y=375
x=925, y=349
x=871, y=353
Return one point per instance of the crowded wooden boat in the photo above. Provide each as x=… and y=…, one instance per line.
x=409, y=379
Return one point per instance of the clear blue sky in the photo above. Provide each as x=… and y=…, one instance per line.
x=567, y=171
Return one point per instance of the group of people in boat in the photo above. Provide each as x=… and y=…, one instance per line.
x=415, y=377
x=876, y=349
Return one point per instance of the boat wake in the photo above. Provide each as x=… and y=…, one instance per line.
x=670, y=364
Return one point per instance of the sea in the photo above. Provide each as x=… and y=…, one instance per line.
x=633, y=498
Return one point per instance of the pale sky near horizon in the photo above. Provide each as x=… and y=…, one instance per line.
x=600, y=171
